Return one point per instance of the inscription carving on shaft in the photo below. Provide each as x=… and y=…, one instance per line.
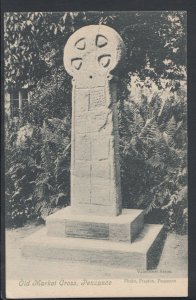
x=90, y=54
x=97, y=98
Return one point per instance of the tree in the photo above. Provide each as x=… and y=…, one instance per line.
x=155, y=43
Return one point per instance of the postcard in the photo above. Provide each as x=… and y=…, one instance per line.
x=95, y=154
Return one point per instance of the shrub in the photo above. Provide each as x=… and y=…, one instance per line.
x=153, y=148
x=38, y=155
x=22, y=150
x=37, y=176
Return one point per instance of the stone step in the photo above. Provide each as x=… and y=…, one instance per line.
x=143, y=253
x=122, y=228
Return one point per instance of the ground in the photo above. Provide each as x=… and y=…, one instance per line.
x=173, y=262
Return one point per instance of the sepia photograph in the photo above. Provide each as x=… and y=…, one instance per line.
x=95, y=118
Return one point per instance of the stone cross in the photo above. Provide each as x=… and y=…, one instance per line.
x=90, y=55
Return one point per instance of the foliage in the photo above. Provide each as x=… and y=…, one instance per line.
x=49, y=99
x=154, y=157
x=37, y=177
x=152, y=126
x=21, y=171
x=155, y=41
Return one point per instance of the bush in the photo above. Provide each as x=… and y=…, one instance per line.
x=153, y=148
x=37, y=177
x=38, y=156
x=22, y=150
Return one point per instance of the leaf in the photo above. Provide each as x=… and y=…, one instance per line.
x=65, y=16
x=171, y=127
x=155, y=161
x=55, y=30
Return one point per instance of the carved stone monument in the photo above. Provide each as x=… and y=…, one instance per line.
x=95, y=228
x=89, y=56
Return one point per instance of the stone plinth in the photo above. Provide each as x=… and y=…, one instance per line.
x=143, y=253
x=123, y=228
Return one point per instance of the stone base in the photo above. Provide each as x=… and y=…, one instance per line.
x=143, y=253
x=122, y=228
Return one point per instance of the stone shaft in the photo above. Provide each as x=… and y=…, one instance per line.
x=90, y=54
